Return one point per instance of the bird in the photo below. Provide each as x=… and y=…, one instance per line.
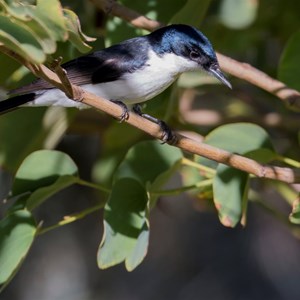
x=129, y=73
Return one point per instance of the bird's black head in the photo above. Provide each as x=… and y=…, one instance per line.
x=187, y=42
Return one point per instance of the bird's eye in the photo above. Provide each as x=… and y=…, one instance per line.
x=194, y=55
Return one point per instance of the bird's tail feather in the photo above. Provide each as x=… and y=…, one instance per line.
x=14, y=102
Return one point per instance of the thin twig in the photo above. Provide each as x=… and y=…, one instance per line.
x=72, y=92
x=195, y=147
x=127, y=14
x=72, y=218
x=246, y=72
x=237, y=161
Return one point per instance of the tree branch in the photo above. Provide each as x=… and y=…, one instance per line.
x=237, y=161
x=245, y=71
x=127, y=14
x=238, y=69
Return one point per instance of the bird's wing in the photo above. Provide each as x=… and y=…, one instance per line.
x=99, y=67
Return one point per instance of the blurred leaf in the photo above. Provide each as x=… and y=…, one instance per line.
x=21, y=137
x=76, y=35
x=194, y=79
x=285, y=190
x=43, y=35
x=162, y=179
x=192, y=13
x=8, y=66
x=29, y=129
x=33, y=31
x=146, y=161
x=160, y=10
x=262, y=155
x=229, y=188
x=17, y=232
x=126, y=229
x=190, y=176
x=42, y=168
x=18, y=10
x=288, y=70
x=238, y=14
x=20, y=40
x=27, y=14
x=295, y=215
x=51, y=13
x=117, y=139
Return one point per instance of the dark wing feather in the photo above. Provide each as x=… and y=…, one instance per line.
x=102, y=66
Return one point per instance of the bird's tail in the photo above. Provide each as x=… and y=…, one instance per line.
x=14, y=102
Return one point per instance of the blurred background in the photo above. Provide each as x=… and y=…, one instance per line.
x=191, y=255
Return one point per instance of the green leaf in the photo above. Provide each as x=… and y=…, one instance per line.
x=192, y=13
x=17, y=10
x=147, y=160
x=42, y=168
x=239, y=138
x=125, y=221
x=17, y=232
x=288, y=70
x=76, y=36
x=21, y=40
x=43, y=193
x=242, y=138
x=43, y=35
x=286, y=190
x=10, y=66
x=116, y=142
x=51, y=13
x=229, y=187
x=20, y=137
x=140, y=250
x=31, y=20
x=238, y=14
x=126, y=229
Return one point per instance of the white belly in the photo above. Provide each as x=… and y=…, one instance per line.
x=139, y=86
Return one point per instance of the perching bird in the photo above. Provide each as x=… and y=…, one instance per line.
x=128, y=73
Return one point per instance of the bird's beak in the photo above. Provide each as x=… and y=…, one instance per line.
x=216, y=72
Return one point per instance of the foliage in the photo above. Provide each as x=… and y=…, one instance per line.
x=131, y=173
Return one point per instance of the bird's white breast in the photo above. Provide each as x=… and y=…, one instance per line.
x=138, y=86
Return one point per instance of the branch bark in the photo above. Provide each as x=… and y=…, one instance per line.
x=237, y=161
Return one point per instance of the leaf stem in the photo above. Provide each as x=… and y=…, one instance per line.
x=188, y=162
x=288, y=161
x=72, y=218
x=93, y=185
x=177, y=191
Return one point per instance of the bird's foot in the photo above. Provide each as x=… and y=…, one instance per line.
x=167, y=135
x=137, y=109
x=125, y=111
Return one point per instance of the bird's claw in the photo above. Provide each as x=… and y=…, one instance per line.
x=167, y=135
x=125, y=112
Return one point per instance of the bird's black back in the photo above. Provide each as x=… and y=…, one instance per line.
x=101, y=66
